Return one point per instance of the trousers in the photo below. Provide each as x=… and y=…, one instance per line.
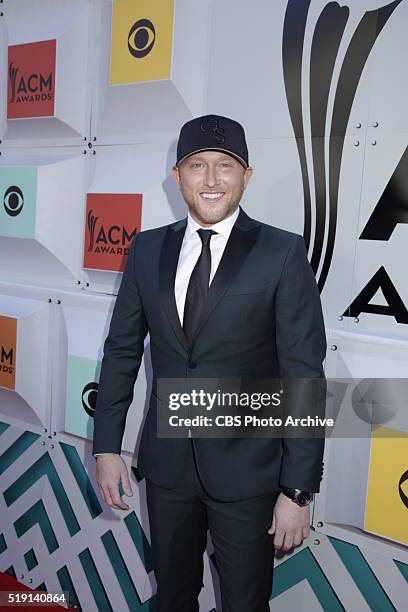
x=179, y=519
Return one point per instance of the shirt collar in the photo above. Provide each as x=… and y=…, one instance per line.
x=223, y=227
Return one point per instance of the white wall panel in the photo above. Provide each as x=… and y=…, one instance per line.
x=44, y=241
x=28, y=403
x=147, y=111
x=77, y=363
x=342, y=501
x=69, y=23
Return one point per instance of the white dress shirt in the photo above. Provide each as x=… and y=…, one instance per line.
x=189, y=254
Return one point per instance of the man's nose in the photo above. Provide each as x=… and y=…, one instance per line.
x=210, y=178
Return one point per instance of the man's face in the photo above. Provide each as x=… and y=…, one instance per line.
x=212, y=184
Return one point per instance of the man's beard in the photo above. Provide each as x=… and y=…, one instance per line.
x=212, y=214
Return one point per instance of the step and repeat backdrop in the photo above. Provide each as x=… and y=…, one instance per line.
x=93, y=95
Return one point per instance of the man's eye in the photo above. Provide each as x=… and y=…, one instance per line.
x=226, y=165
x=196, y=165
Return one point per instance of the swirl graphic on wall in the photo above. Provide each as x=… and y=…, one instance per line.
x=13, y=75
x=328, y=125
x=91, y=226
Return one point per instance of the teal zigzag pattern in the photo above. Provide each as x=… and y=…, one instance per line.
x=16, y=449
x=44, y=467
x=36, y=514
x=81, y=477
x=363, y=576
x=301, y=566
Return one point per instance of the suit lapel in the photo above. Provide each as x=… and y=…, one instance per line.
x=169, y=256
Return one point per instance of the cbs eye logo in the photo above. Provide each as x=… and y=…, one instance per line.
x=141, y=38
x=13, y=201
x=89, y=396
x=402, y=481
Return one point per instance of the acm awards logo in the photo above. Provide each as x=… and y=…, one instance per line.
x=112, y=220
x=13, y=201
x=31, y=79
x=89, y=396
x=8, y=344
x=114, y=239
x=330, y=29
x=31, y=88
x=7, y=359
x=141, y=38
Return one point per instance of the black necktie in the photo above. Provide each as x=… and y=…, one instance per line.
x=198, y=287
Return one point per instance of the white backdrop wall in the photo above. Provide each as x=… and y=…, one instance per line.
x=89, y=118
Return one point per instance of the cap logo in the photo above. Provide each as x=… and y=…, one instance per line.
x=211, y=126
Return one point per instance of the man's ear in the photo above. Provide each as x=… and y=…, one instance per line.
x=248, y=173
x=176, y=173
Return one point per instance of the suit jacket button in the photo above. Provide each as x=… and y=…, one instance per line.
x=192, y=365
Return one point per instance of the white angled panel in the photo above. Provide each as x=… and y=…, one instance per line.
x=388, y=92
x=42, y=215
x=28, y=402
x=68, y=23
x=154, y=108
x=139, y=169
x=340, y=506
x=77, y=363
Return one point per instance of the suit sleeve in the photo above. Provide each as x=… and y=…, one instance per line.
x=122, y=355
x=301, y=346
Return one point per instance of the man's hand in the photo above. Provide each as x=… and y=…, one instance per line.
x=290, y=523
x=110, y=471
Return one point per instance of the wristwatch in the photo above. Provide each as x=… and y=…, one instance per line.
x=301, y=498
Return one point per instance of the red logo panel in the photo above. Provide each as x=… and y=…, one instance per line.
x=112, y=220
x=31, y=80
x=8, y=350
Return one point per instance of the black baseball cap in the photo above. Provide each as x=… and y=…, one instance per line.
x=212, y=133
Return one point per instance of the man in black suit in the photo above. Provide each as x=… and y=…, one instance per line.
x=221, y=295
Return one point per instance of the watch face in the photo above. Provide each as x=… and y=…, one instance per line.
x=304, y=498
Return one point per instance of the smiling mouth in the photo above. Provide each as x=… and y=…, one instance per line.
x=212, y=196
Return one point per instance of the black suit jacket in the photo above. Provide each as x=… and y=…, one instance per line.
x=263, y=318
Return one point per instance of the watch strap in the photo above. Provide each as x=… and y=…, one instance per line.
x=298, y=496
